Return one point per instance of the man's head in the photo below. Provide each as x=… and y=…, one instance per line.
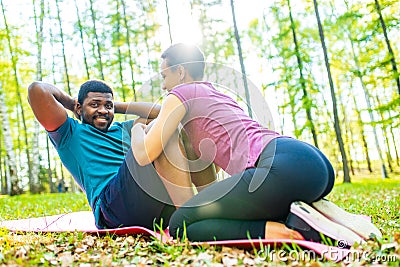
x=181, y=63
x=96, y=104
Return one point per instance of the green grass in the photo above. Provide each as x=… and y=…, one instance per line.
x=377, y=198
x=27, y=206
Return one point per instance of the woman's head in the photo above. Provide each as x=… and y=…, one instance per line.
x=182, y=63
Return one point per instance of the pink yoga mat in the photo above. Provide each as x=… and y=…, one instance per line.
x=83, y=221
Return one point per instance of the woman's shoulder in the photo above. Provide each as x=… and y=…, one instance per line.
x=194, y=89
x=195, y=85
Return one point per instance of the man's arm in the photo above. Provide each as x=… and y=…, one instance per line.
x=48, y=104
x=142, y=109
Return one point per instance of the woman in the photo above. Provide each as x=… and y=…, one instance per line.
x=273, y=176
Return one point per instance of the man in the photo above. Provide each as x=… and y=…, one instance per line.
x=97, y=153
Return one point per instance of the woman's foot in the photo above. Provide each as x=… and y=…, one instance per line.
x=354, y=222
x=312, y=224
x=275, y=230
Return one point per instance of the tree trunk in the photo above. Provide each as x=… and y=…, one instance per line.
x=34, y=185
x=119, y=53
x=82, y=40
x=338, y=131
x=11, y=174
x=168, y=21
x=306, y=100
x=239, y=47
x=394, y=145
x=3, y=181
x=63, y=48
x=367, y=100
x=18, y=91
x=389, y=47
x=53, y=64
x=362, y=133
x=49, y=171
x=385, y=137
x=128, y=42
x=98, y=47
x=53, y=71
x=347, y=135
x=146, y=42
x=62, y=173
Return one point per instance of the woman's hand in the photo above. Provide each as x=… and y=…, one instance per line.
x=142, y=125
x=149, y=125
x=148, y=142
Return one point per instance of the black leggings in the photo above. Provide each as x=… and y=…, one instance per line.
x=238, y=207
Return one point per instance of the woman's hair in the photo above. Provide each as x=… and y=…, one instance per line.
x=93, y=86
x=189, y=56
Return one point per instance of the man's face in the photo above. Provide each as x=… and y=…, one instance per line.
x=171, y=77
x=97, y=110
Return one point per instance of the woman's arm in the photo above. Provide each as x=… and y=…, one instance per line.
x=148, y=147
x=142, y=109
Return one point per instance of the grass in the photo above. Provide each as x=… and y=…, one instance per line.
x=378, y=198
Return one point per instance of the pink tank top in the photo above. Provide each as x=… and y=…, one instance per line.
x=219, y=129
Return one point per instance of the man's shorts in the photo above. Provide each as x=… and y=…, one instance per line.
x=136, y=196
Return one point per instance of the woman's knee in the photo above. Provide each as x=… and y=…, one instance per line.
x=176, y=226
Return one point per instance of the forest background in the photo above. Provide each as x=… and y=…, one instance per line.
x=328, y=70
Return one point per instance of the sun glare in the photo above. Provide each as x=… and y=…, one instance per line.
x=184, y=23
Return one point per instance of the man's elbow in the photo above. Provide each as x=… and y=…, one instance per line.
x=34, y=88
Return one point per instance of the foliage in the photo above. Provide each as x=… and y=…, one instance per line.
x=122, y=41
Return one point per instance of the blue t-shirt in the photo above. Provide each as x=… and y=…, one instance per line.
x=92, y=157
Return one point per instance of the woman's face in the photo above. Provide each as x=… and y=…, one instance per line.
x=171, y=77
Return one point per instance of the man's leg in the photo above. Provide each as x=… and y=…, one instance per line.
x=172, y=166
x=136, y=196
x=202, y=173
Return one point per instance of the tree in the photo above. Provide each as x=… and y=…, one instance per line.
x=12, y=186
x=80, y=27
x=349, y=31
x=168, y=21
x=96, y=38
x=362, y=134
x=148, y=37
x=239, y=47
x=34, y=183
x=215, y=39
x=128, y=43
x=396, y=75
x=286, y=44
x=338, y=131
x=63, y=48
x=3, y=180
x=117, y=42
x=306, y=100
x=14, y=62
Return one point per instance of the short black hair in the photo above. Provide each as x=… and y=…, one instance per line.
x=93, y=86
x=190, y=56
